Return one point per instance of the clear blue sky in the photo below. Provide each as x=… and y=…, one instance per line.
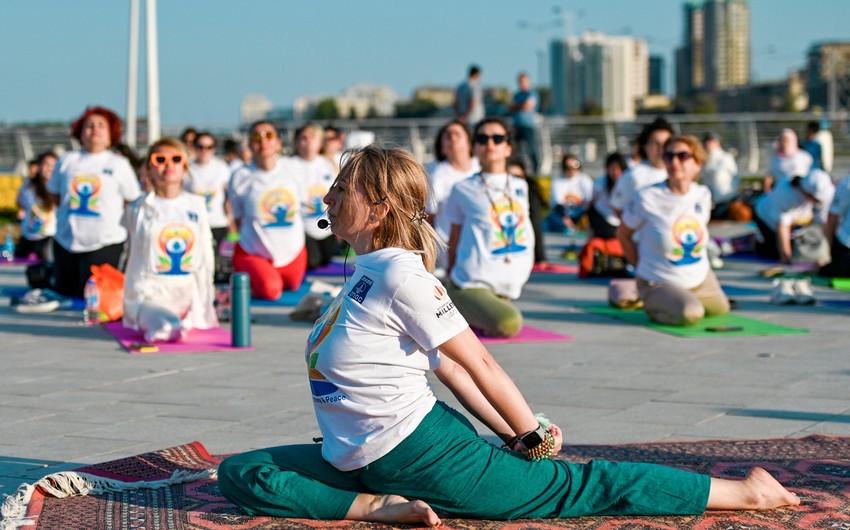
x=60, y=55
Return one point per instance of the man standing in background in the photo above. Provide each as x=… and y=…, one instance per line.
x=469, y=99
x=524, y=110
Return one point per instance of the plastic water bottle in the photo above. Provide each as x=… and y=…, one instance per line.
x=8, y=248
x=91, y=314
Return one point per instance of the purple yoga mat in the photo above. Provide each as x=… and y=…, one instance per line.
x=526, y=334
x=331, y=269
x=32, y=259
x=197, y=340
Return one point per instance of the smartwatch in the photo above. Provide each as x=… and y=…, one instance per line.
x=532, y=439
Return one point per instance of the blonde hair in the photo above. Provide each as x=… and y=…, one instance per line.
x=169, y=142
x=693, y=144
x=392, y=175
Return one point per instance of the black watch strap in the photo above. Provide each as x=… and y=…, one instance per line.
x=532, y=439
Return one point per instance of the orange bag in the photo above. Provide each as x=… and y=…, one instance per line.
x=602, y=257
x=110, y=291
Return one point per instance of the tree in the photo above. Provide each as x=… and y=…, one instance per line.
x=327, y=109
x=418, y=108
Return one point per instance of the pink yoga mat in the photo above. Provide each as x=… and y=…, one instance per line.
x=198, y=340
x=553, y=268
x=526, y=334
x=32, y=259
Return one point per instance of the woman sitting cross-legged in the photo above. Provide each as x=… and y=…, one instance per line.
x=391, y=451
x=168, y=285
x=674, y=278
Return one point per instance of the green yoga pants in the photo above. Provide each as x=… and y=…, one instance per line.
x=444, y=463
x=483, y=309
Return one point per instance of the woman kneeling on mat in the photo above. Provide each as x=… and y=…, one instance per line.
x=674, y=278
x=491, y=243
x=168, y=287
x=391, y=452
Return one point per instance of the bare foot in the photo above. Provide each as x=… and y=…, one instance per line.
x=759, y=491
x=391, y=509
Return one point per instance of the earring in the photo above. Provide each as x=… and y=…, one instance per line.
x=371, y=218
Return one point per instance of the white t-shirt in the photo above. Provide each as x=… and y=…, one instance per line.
x=788, y=167
x=92, y=189
x=785, y=205
x=316, y=177
x=268, y=205
x=672, y=233
x=573, y=193
x=210, y=182
x=720, y=174
x=496, y=246
x=635, y=178
x=443, y=177
x=369, y=353
x=602, y=201
x=37, y=223
x=841, y=207
x=170, y=260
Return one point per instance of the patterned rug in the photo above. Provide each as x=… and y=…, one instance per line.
x=817, y=468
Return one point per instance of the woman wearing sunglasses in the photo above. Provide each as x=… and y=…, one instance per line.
x=91, y=186
x=674, y=278
x=391, y=451
x=491, y=243
x=266, y=205
x=168, y=286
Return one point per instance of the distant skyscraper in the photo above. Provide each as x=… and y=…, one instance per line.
x=656, y=74
x=716, y=52
x=828, y=75
x=599, y=71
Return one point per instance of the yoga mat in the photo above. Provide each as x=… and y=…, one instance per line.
x=814, y=467
x=288, y=298
x=752, y=327
x=526, y=334
x=552, y=268
x=841, y=284
x=197, y=340
x=332, y=269
x=733, y=290
x=32, y=259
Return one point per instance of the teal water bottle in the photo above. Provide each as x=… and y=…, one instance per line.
x=240, y=310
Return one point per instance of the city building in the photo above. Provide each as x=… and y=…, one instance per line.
x=656, y=74
x=599, y=74
x=358, y=101
x=828, y=75
x=254, y=107
x=715, y=54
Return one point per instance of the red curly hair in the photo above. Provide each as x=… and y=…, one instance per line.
x=115, y=124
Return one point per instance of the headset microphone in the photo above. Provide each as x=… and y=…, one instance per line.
x=323, y=224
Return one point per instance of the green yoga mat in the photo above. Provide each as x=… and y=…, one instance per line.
x=841, y=284
x=751, y=327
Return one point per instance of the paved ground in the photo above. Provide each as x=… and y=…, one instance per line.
x=69, y=395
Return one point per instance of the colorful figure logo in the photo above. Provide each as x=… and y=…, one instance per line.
x=511, y=230
x=84, y=195
x=174, y=249
x=277, y=208
x=208, y=198
x=314, y=205
x=688, y=237
x=319, y=385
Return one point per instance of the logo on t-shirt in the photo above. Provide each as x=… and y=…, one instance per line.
x=688, y=236
x=510, y=232
x=175, y=247
x=313, y=207
x=361, y=289
x=277, y=208
x=320, y=387
x=85, y=191
x=439, y=292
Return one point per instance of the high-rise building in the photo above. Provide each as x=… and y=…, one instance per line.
x=715, y=54
x=656, y=74
x=828, y=75
x=599, y=72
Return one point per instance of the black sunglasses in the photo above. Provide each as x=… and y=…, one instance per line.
x=482, y=139
x=683, y=156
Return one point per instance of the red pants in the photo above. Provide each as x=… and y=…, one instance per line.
x=267, y=281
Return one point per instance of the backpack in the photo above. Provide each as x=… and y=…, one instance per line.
x=602, y=258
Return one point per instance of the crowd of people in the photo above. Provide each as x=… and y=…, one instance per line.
x=477, y=218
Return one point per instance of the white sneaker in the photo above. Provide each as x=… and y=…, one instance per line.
x=803, y=292
x=38, y=301
x=782, y=292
